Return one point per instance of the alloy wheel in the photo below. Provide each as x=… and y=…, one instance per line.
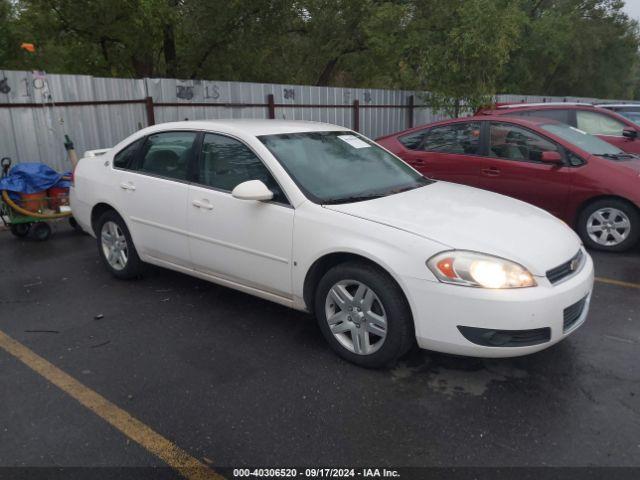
x=114, y=245
x=356, y=317
x=608, y=227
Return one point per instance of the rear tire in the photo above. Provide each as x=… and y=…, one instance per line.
x=20, y=230
x=115, y=247
x=363, y=314
x=610, y=225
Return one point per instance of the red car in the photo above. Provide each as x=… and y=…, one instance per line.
x=590, y=184
x=601, y=121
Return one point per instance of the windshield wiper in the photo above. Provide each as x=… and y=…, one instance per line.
x=370, y=196
x=353, y=198
x=404, y=189
x=615, y=156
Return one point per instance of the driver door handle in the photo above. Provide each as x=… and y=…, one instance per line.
x=202, y=204
x=127, y=186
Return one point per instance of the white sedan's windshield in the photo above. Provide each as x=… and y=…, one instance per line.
x=583, y=140
x=340, y=166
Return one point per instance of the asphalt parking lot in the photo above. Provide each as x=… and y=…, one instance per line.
x=233, y=380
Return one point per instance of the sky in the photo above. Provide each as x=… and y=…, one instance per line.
x=632, y=7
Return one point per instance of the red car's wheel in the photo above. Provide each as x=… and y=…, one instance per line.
x=610, y=225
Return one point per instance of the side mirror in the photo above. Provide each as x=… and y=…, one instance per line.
x=252, y=190
x=552, y=157
x=630, y=133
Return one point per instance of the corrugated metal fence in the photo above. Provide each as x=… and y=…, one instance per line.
x=37, y=110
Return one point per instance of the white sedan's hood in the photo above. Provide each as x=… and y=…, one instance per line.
x=466, y=218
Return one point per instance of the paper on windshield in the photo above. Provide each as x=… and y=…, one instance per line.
x=578, y=130
x=354, y=141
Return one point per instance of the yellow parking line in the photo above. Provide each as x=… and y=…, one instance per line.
x=133, y=428
x=619, y=283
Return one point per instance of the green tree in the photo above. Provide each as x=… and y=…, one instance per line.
x=9, y=48
x=236, y=40
x=575, y=47
x=456, y=50
x=99, y=37
x=461, y=51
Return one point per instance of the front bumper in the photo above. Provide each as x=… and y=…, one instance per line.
x=439, y=309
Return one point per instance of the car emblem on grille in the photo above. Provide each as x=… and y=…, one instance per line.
x=573, y=266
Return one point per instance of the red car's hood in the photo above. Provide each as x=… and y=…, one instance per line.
x=633, y=166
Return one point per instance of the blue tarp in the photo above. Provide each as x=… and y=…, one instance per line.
x=32, y=178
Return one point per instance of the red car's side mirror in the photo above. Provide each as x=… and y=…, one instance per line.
x=552, y=157
x=630, y=133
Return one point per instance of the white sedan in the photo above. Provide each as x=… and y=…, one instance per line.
x=321, y=219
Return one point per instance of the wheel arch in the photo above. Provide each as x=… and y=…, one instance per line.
x=98, y=210
x=590, y=201
x=329, y=260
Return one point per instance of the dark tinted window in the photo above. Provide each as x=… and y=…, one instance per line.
x=459, y=138
x=558, y=115
x=516, y=143
x=124, y=158
x=574, y=160
x=167, y=154
x=413, y=140
x=227, y=162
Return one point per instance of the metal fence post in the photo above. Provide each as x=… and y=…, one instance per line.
x=356, y=115
x=151, y=117
x=410, y=107
x=271, y=106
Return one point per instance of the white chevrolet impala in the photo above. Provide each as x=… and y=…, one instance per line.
x=321, y=219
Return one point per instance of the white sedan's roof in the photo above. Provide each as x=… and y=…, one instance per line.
x=249, y=126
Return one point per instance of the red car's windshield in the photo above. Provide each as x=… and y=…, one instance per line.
x=589, y=143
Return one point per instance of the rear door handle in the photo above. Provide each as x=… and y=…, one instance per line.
x=491, y=171
x=127, y=186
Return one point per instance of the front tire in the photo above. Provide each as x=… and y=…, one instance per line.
x=41, y=231
x=609, y=225
x=363, y=314
x=116, y=248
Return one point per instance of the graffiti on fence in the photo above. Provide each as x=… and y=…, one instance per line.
x=4, y=86
x=184, y=92
x=212, y=92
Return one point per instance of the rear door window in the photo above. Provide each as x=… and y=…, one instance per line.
x=598, y=123
x=125, y=157
x=457, y=138
x=167, y=154
x=516, y=143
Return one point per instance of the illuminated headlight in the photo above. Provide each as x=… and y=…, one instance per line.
x=472, y=269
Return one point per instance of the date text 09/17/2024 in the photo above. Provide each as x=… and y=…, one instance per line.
x=315, y=473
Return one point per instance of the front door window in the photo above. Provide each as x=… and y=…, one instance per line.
x=515, y=143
